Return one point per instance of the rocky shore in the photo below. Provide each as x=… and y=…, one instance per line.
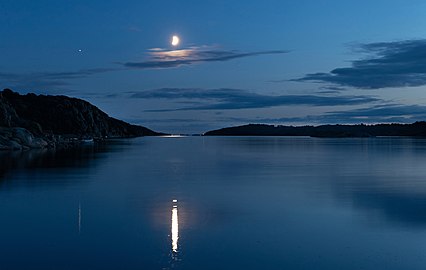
x=42, y=121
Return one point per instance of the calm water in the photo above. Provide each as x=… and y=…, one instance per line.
x=242, y=203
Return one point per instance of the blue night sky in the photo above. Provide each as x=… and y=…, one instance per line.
x=238, y=62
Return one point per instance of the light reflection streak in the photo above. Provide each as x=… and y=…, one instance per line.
x=79, y=218
x=175, y=227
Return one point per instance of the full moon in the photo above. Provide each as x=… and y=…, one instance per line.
x=175, y=40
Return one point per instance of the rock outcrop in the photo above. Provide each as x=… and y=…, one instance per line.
x=38, y=121
x=19, y=139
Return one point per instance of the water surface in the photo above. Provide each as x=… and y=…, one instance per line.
x=216, y=203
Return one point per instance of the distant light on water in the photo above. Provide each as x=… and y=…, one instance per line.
x=173, y=136
x=175, y=227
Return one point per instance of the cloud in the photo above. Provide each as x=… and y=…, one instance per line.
x=388, y=64
x=387, y=113
x=382, y=113
x=330, y=90
x=160, y=58
x=232, y=99
x=46, y=80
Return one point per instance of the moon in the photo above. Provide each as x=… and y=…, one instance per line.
x=175, y=40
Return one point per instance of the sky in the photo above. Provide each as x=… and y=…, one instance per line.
x=238, y=62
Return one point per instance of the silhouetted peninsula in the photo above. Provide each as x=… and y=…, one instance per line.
x=417, y=129
x=38, y=121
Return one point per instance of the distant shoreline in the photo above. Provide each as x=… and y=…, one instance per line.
x=417, y=129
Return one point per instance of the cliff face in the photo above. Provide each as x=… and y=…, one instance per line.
x=48, y=117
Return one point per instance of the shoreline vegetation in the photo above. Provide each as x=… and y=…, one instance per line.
x=417, y=129
x=43, y=121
